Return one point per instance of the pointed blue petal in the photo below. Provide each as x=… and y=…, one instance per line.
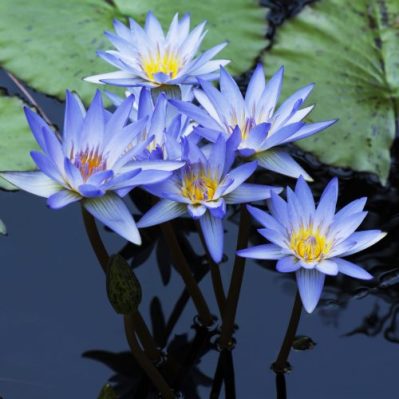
x=250, y=192
x=281, y=162
x=327, y=266
x=33, y=182
x=265, y=251
x=196, y=211
x=239, y=175
x=363, y=240
x=325, y=211
x=163, y=211
x=310, y=285
x=90, y=191
x=112, y=211
x=212, y=229
x=62, y=198
x=288, y=264
x=351, y=269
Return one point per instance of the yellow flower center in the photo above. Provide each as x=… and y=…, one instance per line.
x=309, y=244
x=89, y=162
x=168, y=63
x=198, y=185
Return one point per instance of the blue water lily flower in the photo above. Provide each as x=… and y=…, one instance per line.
x=203, y=187
x=149, y=57
x=93, y=162
x=310, y=240
x=263, y=126
x=164, y=128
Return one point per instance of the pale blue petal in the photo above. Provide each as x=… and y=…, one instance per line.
x=351, y=269
x=288, y=264
x=325, y=211
x=275, y=237
x=278, y=208
x=239, y=175
x=163, y=211
x=327, y=266
x=250, y=192
x=281, y=135
x=255, y=88
x=265, y=251
x=90, y=191
x=308, y=130
x=47, y=166
x=265, y=219
x=119, y=117
x=310, y=285
x=36, y=124
x=348, y=210
x=62, y=198
x=196, y=113
x=35, y=182
x=281, y=162
x=340, y=231
x=73, y=120
x=112, y=211
x=196, y=211
x=363, y=240
x=212, y=229
x=305, y=198
x=216, y=208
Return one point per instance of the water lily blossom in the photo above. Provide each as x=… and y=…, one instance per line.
x=149, y=57
x=264, y=127
x=164, y=128
x=203, y=187
x=93, y=162
x=310, y=240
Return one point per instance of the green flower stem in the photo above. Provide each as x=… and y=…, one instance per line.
x=280, y=366
x=233, y=295
x=182, y=267
x=30, y=98
x=215, y=274
x=144, y=362
x=135, y=319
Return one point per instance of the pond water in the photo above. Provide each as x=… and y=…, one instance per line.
x=54, y=308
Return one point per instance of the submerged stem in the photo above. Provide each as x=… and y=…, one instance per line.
x=134, y=323
x=182, y=267
x=215, y=274
x=233, y=295
x=280, y=366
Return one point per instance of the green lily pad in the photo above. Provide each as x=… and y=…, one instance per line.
x=51, y=45
x=351, y=51
x=241, y=22
x=16, y=139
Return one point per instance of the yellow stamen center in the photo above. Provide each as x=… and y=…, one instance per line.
x=168, y=63
x=198, y=185
x=309, y=244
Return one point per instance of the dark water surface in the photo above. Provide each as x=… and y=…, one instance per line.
x=54, y=308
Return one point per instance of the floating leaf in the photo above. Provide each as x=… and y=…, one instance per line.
x=351, y=51
x=52, y=44
x=123, y=287
x=107, y=393
x=16, y=139
x=241, y=22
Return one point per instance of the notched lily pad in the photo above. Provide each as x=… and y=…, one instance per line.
x=16, y=139
x=351, y=51
x=52, y=44
x=123, y=287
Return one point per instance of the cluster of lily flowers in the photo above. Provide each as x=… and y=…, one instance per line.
x=195, y=151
